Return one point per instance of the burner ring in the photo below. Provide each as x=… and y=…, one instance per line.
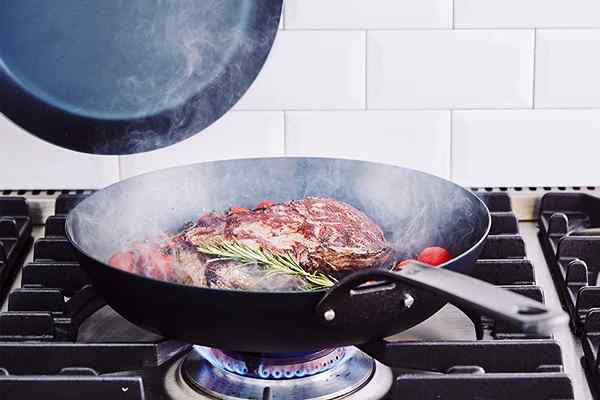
x=354, y=371
x=273, y=366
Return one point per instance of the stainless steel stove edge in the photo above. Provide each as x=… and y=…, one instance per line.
x=525, y=200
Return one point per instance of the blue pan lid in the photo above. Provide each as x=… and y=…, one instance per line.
x=128, y=76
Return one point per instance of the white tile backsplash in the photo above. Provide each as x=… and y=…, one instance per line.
x=371, y=14
x=311, y=70
x=27, y=162
x=239, y=134
x=511, y=86
x=526, y=147
x=415, y=139
x=568, y=68
x=526, y=13
x=450, y=69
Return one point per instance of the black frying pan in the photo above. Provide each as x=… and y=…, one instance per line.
x=126, y=76
x=414, y=209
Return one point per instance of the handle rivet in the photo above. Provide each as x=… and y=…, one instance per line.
x=409, y=300
x=329, y=315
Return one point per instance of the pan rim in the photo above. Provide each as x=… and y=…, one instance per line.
x=70, y=217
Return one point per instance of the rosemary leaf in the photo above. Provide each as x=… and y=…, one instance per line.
x=276, y=263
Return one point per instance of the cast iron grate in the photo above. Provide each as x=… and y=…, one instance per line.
x=39, y=334
x=15, y=239
x=542, y=386
x=591, y=348
x=569, y=231
x=40, y=356
x=570, y=239
x=497, y=369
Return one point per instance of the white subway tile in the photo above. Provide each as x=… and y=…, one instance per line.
x=240, y=134
x=311, y=70
x=526, y=13
x=567, y=68
x=415, y=139
x=526, y=147
x=27, y=162
x=371, y=14
x=450, y=69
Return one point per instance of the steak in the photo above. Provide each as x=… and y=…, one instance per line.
x=323, y=234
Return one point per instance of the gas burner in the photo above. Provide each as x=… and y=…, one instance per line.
x=273, y=366
x=326, y=375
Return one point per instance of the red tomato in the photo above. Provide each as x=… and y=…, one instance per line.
x=124, y=260
x=264, y=204
x=434, y=256
x=157, y=264
x=238, y=210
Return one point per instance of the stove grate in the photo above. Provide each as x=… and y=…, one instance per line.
x=41, y=334
x=570, y=239
x=543, y=386
x=15, y=237
x=591, y=349
x=569, y=232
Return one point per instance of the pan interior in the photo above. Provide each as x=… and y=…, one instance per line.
x=119, y=59
x=414, y=209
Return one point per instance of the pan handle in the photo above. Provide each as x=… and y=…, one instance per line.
x=459, y=289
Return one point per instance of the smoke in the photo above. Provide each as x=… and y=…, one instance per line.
x=188, y=38
x=417, y=211
x=414, y=210
x=184, y=64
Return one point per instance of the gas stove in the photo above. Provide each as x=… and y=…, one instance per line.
x=59, y=340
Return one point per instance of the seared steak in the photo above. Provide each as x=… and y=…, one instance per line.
x=323, y=234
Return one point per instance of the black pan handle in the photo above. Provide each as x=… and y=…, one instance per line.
x=461, y=290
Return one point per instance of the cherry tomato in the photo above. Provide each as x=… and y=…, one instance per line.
x=434, y=256
x=124, y=260
x=157, y=265
x=264, y=204
x=238, y=210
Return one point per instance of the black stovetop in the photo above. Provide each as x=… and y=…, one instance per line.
x=58, y=340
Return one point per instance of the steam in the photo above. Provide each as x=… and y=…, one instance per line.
x=186, y=63
x=413, y=209
x=254, y=277
x=416, y=211
x=189, y=36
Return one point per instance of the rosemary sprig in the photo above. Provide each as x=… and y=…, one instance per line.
x=276, y=263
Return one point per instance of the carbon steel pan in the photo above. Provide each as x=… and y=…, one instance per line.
x=128, y=76
x=414, y=209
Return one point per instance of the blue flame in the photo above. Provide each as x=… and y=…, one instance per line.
x=268, y=367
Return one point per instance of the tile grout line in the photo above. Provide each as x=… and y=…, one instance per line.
x=366, y=61
x=437, y=28
x=534, y=68
x=451, y=158
x=283, y=18
x=285, y=149
x=119, y=173
x=452, y=14
x=499, y=109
